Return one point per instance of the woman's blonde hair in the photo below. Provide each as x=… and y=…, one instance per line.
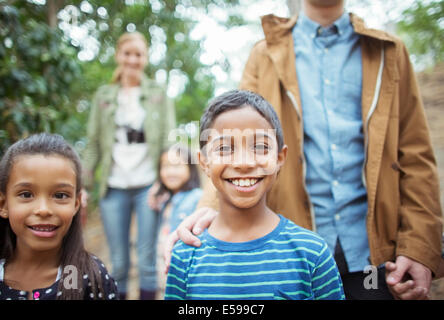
x=127, y=36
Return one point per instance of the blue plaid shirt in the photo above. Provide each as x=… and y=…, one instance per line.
x=329, y=70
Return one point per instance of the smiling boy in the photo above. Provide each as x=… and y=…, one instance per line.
x=249, y=252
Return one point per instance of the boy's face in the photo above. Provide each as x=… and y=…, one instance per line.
x=40, y=201
x=241, y=157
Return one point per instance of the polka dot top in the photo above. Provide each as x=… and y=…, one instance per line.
x=52, y=293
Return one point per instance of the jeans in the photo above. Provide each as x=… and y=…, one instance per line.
x=116, y=210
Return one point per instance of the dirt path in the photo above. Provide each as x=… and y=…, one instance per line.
x=95, y=242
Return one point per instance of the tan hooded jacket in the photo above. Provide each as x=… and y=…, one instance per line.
x=404, y=212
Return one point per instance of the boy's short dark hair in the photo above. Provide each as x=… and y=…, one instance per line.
x=236, y=99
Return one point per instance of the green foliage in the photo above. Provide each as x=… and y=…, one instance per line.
x=37, y=67
x=422, y=28
x=46, y=87
x=167, y=25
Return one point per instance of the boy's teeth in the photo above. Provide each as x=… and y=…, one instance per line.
x=244, y=182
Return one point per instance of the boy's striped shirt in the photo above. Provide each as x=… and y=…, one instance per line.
x=288, y=263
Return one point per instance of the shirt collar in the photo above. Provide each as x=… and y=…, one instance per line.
x=308, y=26
x=343, y=24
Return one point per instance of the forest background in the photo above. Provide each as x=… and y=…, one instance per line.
x=55, y=53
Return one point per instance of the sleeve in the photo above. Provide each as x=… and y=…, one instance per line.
x=420, y=230
x=326, y=282
x=176, y=285
x=109, y=289
x=209, y=196
x=91, y=155
x=249, y=79
x=197, y=195
x=186, y=207
x=169, y=120
x=109, y=286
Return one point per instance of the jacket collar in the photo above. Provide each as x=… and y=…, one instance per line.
x=341, y=25
x=145, y=83
x=279, y=41
x=277, y=29
x=113, y=90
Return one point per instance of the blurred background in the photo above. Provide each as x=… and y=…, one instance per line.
x=55, y=53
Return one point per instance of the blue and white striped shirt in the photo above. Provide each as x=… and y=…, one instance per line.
x=288, y=263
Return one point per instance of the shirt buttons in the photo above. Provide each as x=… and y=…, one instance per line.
x=333, y=146
x=335, y=182
x=327, y=82
x=337, y=217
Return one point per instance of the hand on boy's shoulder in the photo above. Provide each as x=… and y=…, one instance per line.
x=181, y=256
x=181, y=246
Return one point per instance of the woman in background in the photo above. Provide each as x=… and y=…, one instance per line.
x=128, y=127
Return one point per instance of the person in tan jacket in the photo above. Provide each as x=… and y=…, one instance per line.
x=360, y=169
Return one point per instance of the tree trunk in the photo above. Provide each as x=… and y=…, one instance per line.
x=53, y=8
x=294, y=6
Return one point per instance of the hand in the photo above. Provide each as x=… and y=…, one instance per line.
x=197, y=222
x=408, y=279
x=156, y=202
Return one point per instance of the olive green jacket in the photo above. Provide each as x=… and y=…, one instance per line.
x=160, y=120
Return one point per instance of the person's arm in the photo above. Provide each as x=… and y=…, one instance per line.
x=176, y=286
x=198, y=221
x=249, y=79
x=208, y=198
x=156, y=202
x=326, y=281
x=169, y=118
x=420, y=225
x=91, y=154
x=108, y=288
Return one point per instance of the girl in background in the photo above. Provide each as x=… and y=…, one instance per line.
x=42, y=256
x=175, y=196
x=129, y=123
